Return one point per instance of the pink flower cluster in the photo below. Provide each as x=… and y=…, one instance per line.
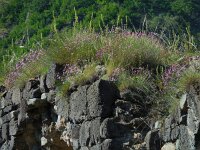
x=173, y=71
x=116, y=73
x=15, y=73
x=70, y=70
x=136, y=71
x=140, y=34
x=30, y=57
x=99, y=54
x=67, y=71
x=132, y=71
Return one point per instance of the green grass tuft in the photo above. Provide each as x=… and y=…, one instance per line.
x=73, y=48
x=89, y=74
x=64, y=88
x=188, y=79
x=136, y=82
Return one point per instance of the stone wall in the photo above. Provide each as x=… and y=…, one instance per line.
x=92, y=117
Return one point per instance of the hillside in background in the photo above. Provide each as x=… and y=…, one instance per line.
x=25, y=23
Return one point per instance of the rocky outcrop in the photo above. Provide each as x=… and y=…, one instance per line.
x=180, y=130
x=92, y=117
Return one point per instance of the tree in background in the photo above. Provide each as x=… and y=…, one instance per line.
x=27, y=20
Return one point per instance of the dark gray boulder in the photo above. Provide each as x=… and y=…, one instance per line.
x=5, y=102
x=84, y=135
x=13, y=127
x=78, y=105
x=62, y=106
x=5, y=132
x=51, y=77
x=101, y=96
x=112, y=129
x=186, y=138
x=90, y=133
x=43, y=86
x=16, y=96
x=153, y=140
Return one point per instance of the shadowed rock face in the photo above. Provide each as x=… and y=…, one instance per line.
x=32, y=119
x=93, y=117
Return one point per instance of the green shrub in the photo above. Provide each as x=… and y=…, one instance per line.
x=121, y=49
x=74, y=47
x=134, y=51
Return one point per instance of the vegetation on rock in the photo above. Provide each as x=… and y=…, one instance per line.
x=98, y=44
x=139, y=62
